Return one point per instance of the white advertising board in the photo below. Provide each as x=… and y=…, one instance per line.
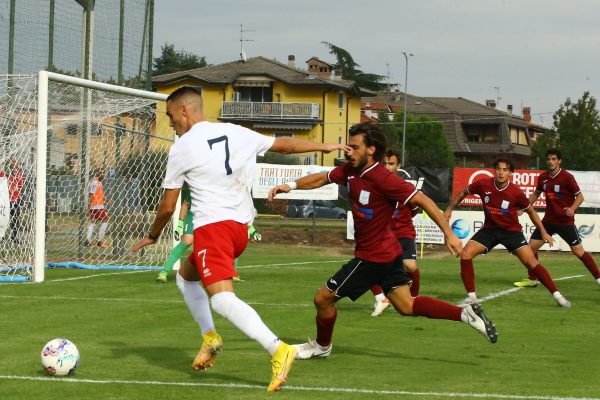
x=270, y=175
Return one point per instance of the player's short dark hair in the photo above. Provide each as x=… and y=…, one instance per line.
x=393, y=153
x=554, y=151
x=183, y=91
x=507, y=161
x=373, y=136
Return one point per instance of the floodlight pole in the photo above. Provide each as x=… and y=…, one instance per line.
x=405, y=105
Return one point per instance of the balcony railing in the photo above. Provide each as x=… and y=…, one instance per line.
x=288, y=111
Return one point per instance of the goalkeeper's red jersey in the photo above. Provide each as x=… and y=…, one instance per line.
x=374, y=193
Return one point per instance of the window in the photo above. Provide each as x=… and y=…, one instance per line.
x=341, y=100
x=256, y=94
x=518, y=135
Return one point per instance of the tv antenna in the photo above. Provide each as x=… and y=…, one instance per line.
x=242, y=40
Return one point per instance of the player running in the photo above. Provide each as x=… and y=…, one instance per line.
x=218, y=162
x=373, y=192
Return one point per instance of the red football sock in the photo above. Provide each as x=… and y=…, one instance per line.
x=467, y=273
x=543, y=276
x=325, y=329
x=532, y=276
x=376, y=289
x=416, y=278
x=589, y=263
x=425, y=306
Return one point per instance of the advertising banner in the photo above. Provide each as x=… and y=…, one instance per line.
x=269, y=175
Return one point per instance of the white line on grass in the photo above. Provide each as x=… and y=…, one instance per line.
x=299, y=388
x=515, y=289
x=97, y=275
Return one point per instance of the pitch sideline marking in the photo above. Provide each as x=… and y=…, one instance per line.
x=299, y=388
x=512, y=290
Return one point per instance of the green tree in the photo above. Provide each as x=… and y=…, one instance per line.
x=389, y=129
x=577, y=126
x=426, y=144
x=350, y=71
x=171, y=60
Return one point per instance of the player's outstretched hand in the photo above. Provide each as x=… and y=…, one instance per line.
x=142, y=243
x=548, y=239
x=454, y=245
x=337, y=146
x=278, y=189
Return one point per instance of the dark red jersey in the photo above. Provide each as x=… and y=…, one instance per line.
x=560, y=190
x=500, y=206
x=374, y=194
x=402, y=222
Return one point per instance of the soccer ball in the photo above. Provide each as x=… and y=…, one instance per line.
x=60, y=357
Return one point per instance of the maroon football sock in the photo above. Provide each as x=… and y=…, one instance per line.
x=325, y=329
x=425, y=306
x=376, y=289
x=416, y=278
x=532, y=276
x=467, y=273
x=589, y=263
x=543, y=276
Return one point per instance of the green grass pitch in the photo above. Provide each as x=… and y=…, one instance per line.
x=137, y=339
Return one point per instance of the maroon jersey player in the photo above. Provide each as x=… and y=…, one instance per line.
x=404, y=231
x=502, y=201
x=373, y=192
x=563, y=197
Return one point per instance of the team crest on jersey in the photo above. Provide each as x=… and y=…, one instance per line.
x=556, y=188
x=504, y=204
x=363, y=197
x=486, y=199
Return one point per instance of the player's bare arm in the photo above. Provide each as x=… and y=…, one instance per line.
x=535, y=219
x=570, y=211
x=166, y=208
x=454, y=202
x=453, y=243
x=311, y=181
x=534, y=196
x=289, y=145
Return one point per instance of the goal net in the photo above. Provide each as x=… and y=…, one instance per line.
x=64, y=141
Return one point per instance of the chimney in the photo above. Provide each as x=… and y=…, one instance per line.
x=292, y=61
x=509, y=109
x=490, y=103
x=527, y=114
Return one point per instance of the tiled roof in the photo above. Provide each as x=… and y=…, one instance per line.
x=229, y=72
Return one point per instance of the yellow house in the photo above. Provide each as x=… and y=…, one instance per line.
x=274, y=99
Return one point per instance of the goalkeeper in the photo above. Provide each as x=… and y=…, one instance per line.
x=185, y=233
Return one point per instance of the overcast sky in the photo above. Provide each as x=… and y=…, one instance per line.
x=537, y=52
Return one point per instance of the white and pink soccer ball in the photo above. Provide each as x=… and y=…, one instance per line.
x=60, y=357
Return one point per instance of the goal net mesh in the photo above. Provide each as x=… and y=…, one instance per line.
x=91, y=134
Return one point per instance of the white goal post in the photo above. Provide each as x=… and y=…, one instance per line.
x=63, y=135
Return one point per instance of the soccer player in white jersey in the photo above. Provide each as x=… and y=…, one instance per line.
x=218, y=161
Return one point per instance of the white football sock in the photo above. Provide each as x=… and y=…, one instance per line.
x=102, y=230
x=90, y=232
x=598, y=280
x=472, y=296
x=380, y=297
x=197, y=302
x=243, y=317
